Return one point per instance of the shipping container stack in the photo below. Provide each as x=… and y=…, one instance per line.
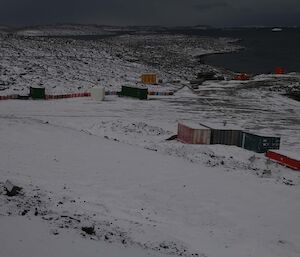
x=198, y=134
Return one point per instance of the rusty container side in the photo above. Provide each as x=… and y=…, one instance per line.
x=184, y=134
x=201, y=136
x=189, y=135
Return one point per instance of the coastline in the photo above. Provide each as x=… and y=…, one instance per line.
x=202, y=60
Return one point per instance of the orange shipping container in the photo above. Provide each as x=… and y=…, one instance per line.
x=193, y=134
x=149, y=78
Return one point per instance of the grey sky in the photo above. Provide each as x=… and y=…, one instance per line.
x=152, y=12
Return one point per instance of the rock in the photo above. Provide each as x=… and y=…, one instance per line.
x=172, y=138
x=11, y=188
x=288, y=182
x=88, y=230
x=24, y=212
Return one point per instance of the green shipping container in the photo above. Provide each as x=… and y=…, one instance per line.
x=226, y=137
x=259, y=144
x=37, y=93
x=135, y=92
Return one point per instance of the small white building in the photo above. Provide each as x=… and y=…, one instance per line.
x=97, y=93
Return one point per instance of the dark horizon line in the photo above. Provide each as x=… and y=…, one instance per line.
x=143, y=26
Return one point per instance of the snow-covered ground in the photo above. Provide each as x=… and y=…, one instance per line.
x=31, y=237
x=67, y=65
x=63, y=65
x=107, y=165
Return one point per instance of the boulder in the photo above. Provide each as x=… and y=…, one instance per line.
x=11, y=188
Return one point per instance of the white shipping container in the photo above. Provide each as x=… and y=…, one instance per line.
x=98, y=93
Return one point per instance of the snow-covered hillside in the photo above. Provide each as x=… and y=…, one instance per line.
x=62, y=65
x=107, y=165
x=100, y=178
x=66, y=65
x=65, y=30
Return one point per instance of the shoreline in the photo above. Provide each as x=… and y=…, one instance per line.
x=201, y=60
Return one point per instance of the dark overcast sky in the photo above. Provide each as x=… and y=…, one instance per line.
x=152, y=12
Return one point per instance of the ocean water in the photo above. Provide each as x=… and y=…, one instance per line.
x=263, y=50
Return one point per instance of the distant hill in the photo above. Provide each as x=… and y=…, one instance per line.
x=64, y=29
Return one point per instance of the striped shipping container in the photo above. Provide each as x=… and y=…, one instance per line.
x=9, y=97
x=226, y=137
x=193, y=134
x=65, y=96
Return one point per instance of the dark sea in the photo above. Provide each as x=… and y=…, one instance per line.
x=263, y=49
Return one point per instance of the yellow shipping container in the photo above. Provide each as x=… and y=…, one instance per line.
x=149, y=78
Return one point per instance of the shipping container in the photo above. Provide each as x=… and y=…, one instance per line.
x=149, y=79
x=288, y=159
x=193, y=134
x=97, y=93
x=226, y=137
x=135, y=92
x=242, y=77
x=37, y=93
x=279, y=70
x=259, y=144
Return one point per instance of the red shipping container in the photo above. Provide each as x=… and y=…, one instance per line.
x=193, y=134
x=242, y=77
x=279, y=70
x=287, y=159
